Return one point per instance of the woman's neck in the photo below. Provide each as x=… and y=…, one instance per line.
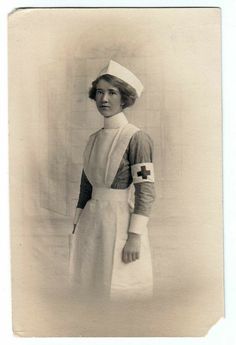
x=115, y=121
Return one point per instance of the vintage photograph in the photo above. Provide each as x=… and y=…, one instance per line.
x=115, y=136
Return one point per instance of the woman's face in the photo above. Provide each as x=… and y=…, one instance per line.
x=108, y=99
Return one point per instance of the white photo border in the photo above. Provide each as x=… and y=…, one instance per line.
x=224, y=331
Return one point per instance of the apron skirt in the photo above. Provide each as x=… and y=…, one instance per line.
x=96, y=266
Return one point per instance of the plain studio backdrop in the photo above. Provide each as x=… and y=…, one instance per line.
x=54, y=54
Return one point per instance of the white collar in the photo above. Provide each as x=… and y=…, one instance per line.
x=115, y=121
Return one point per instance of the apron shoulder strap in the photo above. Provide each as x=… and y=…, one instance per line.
x=118, y=151
x=88, y=149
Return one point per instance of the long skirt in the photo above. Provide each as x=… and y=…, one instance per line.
x=96, y=266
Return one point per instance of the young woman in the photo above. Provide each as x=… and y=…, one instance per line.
x=110, y=254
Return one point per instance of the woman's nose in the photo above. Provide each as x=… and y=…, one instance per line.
x=105, y=97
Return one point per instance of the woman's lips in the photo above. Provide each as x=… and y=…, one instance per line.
x=104, y=106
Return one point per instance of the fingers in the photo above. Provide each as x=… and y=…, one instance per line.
x=129, y=256
x=125, y=257
x=133, y=256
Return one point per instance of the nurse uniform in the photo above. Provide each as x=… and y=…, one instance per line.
x=118, y=160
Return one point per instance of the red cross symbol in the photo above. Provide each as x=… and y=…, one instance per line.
x=144, y=173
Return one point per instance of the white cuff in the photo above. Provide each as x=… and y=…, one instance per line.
x=138, y=224
x=77, y=215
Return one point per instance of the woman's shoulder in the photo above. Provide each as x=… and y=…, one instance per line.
x=141, y=137
x=140, y=148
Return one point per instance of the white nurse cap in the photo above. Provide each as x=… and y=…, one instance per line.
x=124, y=74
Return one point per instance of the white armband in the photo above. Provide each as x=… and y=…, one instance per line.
x=138, y=224
x=142, y=172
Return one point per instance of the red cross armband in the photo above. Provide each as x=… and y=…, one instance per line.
x=142, y=172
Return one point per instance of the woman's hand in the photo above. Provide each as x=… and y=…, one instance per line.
x=131, y=250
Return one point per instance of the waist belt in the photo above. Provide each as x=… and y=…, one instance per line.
x=103, y=193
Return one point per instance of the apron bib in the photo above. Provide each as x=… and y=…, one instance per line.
x=96, y=266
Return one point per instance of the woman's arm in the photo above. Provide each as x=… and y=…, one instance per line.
x=85, y=191
x=84, y=195
x=141, y=161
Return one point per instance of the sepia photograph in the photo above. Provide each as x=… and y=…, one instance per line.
x=115, y=159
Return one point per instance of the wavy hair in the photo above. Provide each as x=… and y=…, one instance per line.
x=127, y=92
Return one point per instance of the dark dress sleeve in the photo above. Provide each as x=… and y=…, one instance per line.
x=141, y=151
x=85, y=191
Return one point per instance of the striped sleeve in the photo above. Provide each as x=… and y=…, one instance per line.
x=141, y=161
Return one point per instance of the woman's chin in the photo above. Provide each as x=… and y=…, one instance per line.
x=106, y=112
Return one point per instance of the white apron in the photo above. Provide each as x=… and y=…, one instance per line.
x=96, y=266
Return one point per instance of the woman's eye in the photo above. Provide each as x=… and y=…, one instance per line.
x=98, y=92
